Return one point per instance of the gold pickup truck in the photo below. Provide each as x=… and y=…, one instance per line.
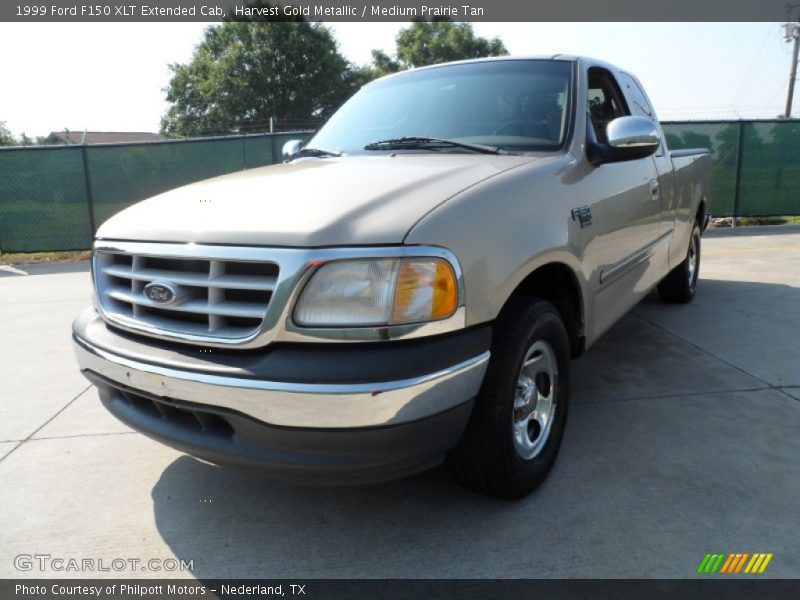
x=408, y=287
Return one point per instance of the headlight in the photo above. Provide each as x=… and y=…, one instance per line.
x=357, y=293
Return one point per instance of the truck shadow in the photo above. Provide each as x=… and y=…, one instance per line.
x=238, y=523
x=623, y=430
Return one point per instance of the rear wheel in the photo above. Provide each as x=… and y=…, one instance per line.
x=679, y=286
x=515, y=430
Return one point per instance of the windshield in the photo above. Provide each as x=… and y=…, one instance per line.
x=515, y=105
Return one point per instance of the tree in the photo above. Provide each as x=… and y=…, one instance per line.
x=6, y=138
x=383, y=63
x=244, y=72
x=432, y=42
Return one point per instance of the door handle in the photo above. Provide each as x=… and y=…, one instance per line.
x=655, y=189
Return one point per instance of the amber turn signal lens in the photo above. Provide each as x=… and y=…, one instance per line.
x=445, y=291
x=426, y=290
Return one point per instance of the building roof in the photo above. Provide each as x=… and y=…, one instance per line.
x=102, y=137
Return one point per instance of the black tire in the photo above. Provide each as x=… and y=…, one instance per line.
x=679, y=286
x=487, y=458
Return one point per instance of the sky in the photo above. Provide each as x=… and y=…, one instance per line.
x=111, y=76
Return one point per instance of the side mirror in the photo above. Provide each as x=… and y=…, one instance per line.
x=291, y=147
x=628, y=138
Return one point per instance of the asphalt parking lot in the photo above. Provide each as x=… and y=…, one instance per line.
x=683, y=439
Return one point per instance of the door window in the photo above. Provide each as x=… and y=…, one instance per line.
x=605, y=101
x=639, y=104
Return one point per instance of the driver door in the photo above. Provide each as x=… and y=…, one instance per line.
x=624, y=204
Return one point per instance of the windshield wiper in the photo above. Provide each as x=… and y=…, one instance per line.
x=313, y=152
x=429, y=142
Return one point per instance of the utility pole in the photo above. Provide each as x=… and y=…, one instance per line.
x=792, y=33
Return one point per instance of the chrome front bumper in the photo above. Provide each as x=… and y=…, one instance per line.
x=288, y=404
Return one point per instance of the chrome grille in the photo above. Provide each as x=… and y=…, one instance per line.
x=217, y=298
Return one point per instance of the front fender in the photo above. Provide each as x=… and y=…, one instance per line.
x=504, y=229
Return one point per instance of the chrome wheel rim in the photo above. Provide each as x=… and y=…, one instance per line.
x=693, y=261
x=535, y=400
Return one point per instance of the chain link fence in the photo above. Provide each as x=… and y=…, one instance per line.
x=53, y=197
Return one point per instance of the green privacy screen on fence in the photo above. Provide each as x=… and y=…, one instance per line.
x=766, y=155
x=46, y=192
x=52, y=196
x=121, y=175
x=43, y=202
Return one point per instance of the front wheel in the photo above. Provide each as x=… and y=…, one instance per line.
x=679, y=285
x=515, y=429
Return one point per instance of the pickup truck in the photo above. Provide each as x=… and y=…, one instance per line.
x=408, y=287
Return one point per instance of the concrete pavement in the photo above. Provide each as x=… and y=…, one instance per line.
x=682, y=440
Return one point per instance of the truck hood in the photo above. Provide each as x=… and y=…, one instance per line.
x=357, y=200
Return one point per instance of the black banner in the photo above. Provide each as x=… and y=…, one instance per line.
x=394, y=589
x=395, y=10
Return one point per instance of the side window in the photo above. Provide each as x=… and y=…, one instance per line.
x=606, y=102
x=639, y=104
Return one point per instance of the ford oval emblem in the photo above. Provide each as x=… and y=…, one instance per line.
x=162, y=293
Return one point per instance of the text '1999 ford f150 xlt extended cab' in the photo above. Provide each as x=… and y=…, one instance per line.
x=408, y=287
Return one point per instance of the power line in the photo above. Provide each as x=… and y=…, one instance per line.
x=746, y=80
